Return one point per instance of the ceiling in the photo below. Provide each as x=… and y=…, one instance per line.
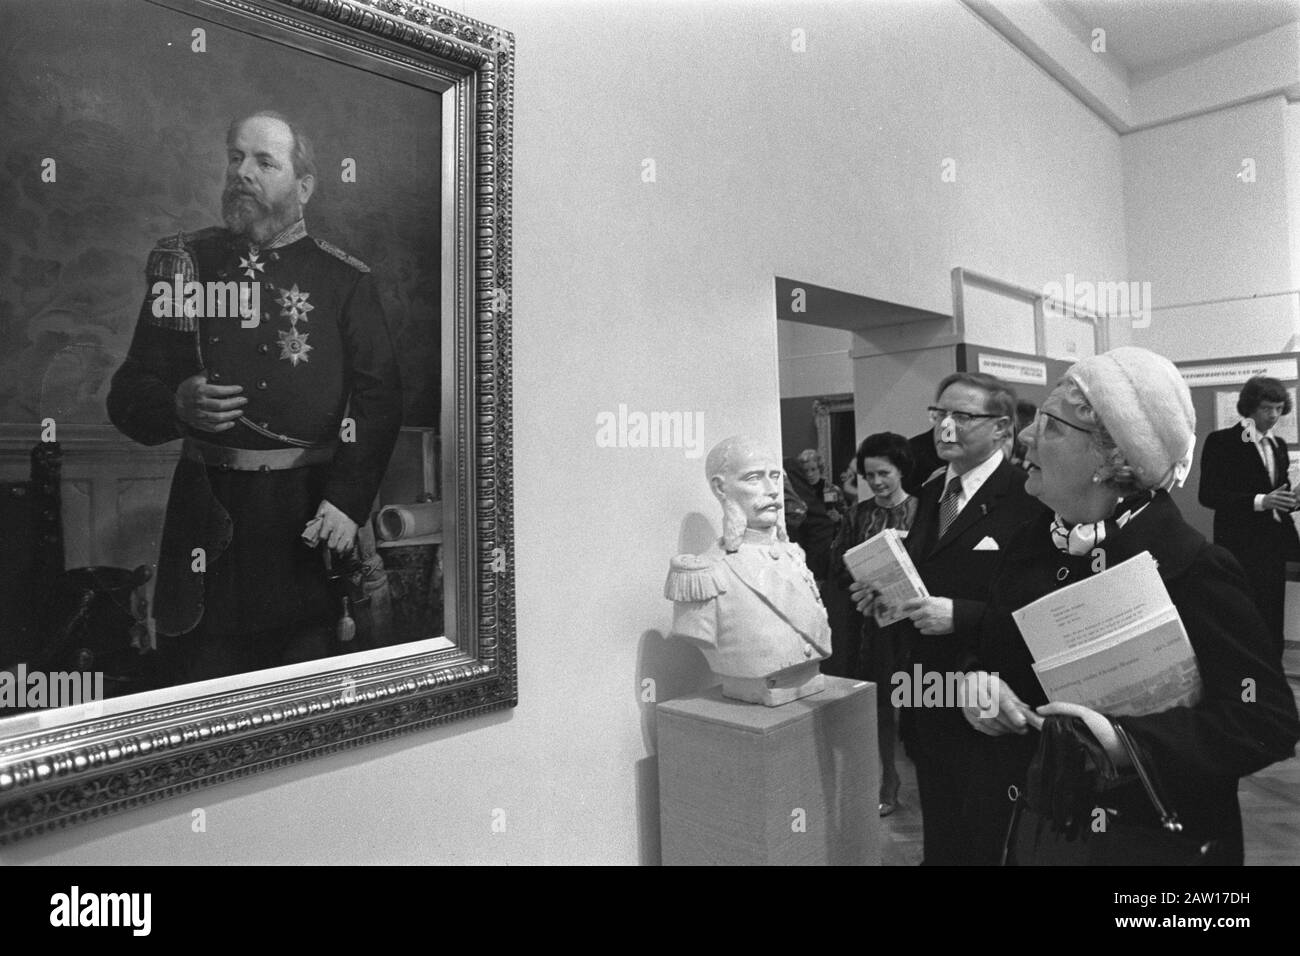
x=1149, y=36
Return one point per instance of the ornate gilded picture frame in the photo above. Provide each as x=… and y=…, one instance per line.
x=410, y=110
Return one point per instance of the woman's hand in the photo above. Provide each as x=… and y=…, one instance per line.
x=993, y=708
x=1097, y=723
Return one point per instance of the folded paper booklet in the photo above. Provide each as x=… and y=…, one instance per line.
x=1113, y=642
x=883, y=561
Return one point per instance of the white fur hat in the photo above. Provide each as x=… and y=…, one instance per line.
x=1142, y=400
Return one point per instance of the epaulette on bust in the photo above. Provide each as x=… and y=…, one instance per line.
x=338, y=253
x=693, y=577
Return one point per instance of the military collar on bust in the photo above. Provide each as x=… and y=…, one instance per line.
x=749, y=548
x=758, y=542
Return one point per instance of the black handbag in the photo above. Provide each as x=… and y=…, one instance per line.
x=1052, y=817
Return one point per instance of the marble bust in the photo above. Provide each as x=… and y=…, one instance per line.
x=749, y=602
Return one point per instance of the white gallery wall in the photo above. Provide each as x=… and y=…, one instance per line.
x=824, y=165
x=1292, y=166
x=1211, y=206
x=814, y=360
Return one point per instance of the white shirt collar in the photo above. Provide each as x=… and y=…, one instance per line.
x=973, y=479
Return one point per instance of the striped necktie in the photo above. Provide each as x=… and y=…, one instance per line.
x=948, y=505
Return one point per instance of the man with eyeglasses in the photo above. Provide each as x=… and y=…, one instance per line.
x=967, y=513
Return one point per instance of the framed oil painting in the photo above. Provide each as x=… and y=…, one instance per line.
x=255, y=431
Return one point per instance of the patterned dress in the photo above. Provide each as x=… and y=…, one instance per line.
x=871, y=653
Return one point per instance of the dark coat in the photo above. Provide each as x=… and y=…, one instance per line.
x=351, y=365
x=258, y=573
x=816, y=532
x=954, y=567
x=1232, y=474
x=1198, y=752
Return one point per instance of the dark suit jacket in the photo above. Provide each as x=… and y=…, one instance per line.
x=258, y=575
x=1232, y=474
x=951, y=567
x=1198, y=752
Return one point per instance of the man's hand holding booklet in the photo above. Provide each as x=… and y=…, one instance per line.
x=883, y=562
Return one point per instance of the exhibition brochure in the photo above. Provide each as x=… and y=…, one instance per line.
x=1113, y=642
x=883, y=561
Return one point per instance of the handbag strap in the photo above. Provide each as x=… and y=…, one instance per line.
x=1168, y=818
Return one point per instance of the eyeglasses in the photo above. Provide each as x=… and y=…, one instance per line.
x=962, y=419
x=1038, y=423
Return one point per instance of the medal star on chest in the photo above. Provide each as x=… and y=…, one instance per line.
x=294, y=305
x=293, y=346
x=251, y=265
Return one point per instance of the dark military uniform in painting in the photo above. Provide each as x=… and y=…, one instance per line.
x=318, y=351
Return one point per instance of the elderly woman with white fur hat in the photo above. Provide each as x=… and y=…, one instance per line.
x=1105, y=449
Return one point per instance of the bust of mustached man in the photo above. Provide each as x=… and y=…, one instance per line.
x=749, y=602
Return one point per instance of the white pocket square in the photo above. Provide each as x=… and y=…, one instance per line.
x=988, y=544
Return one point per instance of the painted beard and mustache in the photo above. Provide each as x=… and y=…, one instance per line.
x=249, y=216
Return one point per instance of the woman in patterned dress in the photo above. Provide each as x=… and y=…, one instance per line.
x=882, y=461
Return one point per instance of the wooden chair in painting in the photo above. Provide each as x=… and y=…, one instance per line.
x=31, y=557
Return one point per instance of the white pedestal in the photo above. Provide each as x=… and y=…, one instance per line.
x=744, y=784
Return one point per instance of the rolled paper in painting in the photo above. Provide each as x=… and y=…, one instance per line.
x=396, y=522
